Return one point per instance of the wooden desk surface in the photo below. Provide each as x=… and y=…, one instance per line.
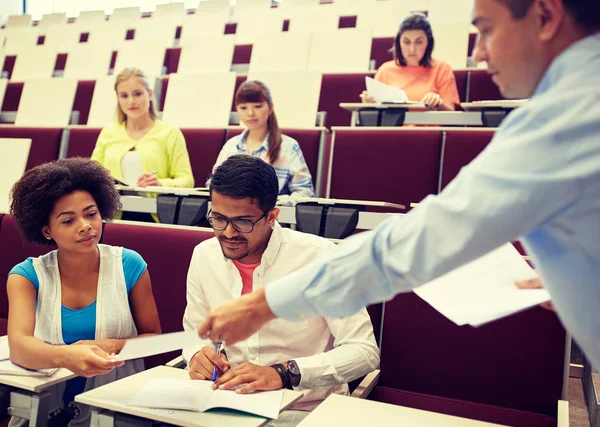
x=114, y=397
x=348, y=411
x=36, y=384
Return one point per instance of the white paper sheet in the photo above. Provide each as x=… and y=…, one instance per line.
x=195, y=395
x=157, y=344
x=4, y=350
x=384, y=93
x=9, y=368
x=484, y=289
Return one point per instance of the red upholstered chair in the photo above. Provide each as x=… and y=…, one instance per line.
x=337, y=88
x=14, y=250
x=508, y=372
x=203, y=147
x=83, y=99
x=82, y=141
x=168, y=251
x=380, y=50
x=461, y=83
x=481, y=87
x=45, y=142
x=460, y=148
x=390, y=165
x=12, y=96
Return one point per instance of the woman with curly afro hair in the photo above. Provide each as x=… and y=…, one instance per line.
x=75, y=306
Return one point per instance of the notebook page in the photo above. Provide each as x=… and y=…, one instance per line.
x=263, y=403
x=384, y=93
x=189, y=395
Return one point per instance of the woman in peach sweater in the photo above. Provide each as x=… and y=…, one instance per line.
x=423, y=78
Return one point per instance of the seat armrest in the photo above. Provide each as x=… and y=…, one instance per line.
x=178, y=362
x=563, y=413
x=366, y=385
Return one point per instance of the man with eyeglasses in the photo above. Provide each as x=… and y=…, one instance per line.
x=250, y=249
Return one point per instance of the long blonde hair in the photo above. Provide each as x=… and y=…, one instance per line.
x=126, y=74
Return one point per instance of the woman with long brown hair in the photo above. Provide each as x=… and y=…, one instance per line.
x=264, y=139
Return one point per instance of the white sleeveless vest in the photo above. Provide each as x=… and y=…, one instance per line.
x=113, y=318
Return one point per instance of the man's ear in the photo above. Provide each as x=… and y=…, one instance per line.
x=550, y=15
x=272, y=216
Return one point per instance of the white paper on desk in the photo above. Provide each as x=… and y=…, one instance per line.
x=484, y=289
x=157, y=344
x=195, y=395
x=4, y=350
x=9, y=368
x=384, y=93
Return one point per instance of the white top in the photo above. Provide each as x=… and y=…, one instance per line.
x=329, y=352
x=131, y=166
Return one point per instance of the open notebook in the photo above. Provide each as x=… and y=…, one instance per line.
x=198, y=396
x=9, y=368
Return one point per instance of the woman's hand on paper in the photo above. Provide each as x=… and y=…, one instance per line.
x=432, y=101
x=255, y=378
x=204, y=361
x=110, y=346
x=534, y=284
x=365, y=98
x=148, y=180
x=89, y=360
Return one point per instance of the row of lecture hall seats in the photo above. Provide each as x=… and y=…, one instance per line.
x=296, y=104
x=508, y=372
x=350, y=50
x=405, y=165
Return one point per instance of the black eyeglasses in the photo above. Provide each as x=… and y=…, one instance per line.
x=242, y=225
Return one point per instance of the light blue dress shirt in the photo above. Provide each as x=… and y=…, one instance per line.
x=538, y=180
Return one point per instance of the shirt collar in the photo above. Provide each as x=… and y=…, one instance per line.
x=570, y=60
x=241, y=145
x=274, y=244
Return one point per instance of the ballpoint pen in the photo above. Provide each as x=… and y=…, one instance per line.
x=154, y=172
x=215, y=373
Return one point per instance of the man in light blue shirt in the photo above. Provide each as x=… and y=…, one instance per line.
x=538, y=180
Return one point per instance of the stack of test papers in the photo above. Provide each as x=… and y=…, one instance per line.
x=484, y=289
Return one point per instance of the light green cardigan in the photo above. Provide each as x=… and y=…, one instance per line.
x=162, y=149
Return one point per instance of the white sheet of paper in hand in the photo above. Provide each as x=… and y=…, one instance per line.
x=484, y=290
x=384, y=93
x=196, y=395
x=157, y=344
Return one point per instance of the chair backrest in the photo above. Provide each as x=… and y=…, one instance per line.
x=340, y=51
x=282, y=52
x=19, y=39
x=36, y=62
x=213, y=7
x=153, y=243
x=53, y=19
x=337, y=88
x=452, y=42
x=45, y=142
x=90, y=19
x=107, y=34
x=481, y=87
x=315, y=18
x=14, y=250
x=18, y=21
x=144, y=54
x=295, y=96
x=172, y=12
x=201, y=25
x=424, y=352
x=3, y=85
x=61, y=38
x=204, y=146
x=209, y=54
x=46, y=102
x=82, y=141
x=87, y=62
x=199, y=100
x=157, y=31
x=104, y=102
x=403, y=164
x=128, y=14
x=251, y=25
x=13, y=161
x=460, y=148
x=382, y=18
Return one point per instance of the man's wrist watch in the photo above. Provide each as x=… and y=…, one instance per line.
x=283, y=374
x=294, y=373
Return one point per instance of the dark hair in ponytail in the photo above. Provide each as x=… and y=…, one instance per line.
x=257, y=91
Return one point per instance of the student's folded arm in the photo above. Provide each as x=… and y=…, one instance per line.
x=500, y=196
x=197, y=307
x=354, y=355
x=25, y=349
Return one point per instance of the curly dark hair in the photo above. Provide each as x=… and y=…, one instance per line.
x=34, y=196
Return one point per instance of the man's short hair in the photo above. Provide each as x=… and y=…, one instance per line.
x=242, y=176
x=585, y=12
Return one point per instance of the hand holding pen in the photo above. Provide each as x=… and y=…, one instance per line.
x=204, y=363
x=215, y=373
x=148, y=179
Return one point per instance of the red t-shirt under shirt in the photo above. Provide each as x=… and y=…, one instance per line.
x=247, y=273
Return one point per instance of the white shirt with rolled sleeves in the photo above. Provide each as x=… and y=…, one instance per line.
x=538, y=180
x=329, y=352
